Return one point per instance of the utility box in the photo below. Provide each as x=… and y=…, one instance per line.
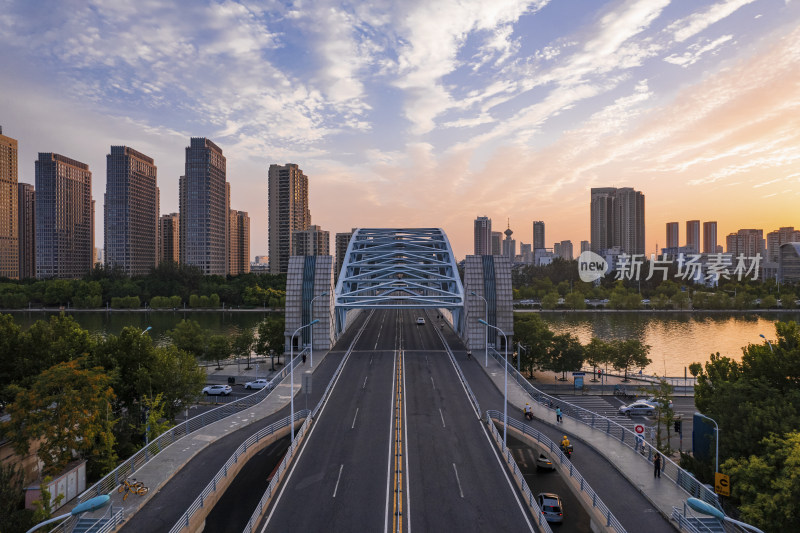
x=70, y=483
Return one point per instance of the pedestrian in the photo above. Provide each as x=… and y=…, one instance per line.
x=469, y=354
x=304, y=358
x=558, y=413
x=657, y=466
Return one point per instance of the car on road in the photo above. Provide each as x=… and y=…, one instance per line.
x=543, y=462
x=551, y=507
x=217, y=390
x=420, y=321
x=637, y=408
x=256, y=384
x=652, y=400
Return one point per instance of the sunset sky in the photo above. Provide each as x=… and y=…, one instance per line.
x=427, y=113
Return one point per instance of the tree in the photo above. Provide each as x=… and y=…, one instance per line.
x=190, y=337
x=155, y=407
x=680, y=300
x=68, y=407
x=218, y=348
x=13, y=516
x=566, y=354
x=270, y=337
x=597, y=352
x=242, y=344
x=176, y=376
x=629, y=353
x=533, y=333
x=550, y=300
x=665, y=416
x=575, y=300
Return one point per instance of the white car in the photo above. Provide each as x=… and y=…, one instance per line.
x=544, y=462
x=551, y=507
x=637, y=408
x=257, y=384
x=217, y=390
x=652, y=400
x=420, y=321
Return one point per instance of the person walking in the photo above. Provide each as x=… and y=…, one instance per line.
x=657, y=466
x=558, y=414
x=304, y=358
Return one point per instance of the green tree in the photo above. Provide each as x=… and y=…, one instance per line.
x=597, y=353
x=270, y=337
x=218, y=348
x=533, y=333
x=566, y=354
x=680, y=300
x=574, y=300
x=768, y=302
x=630, y=353
x=190, y=337
x=550, y=300
x=13, y=515
x=243, y=343
x=665, y=416
x=176, y=376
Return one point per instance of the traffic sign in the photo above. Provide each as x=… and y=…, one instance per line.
x=579, y=373
x=722, y=484
x=638, y=428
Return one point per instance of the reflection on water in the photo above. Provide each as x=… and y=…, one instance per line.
x=676, y=339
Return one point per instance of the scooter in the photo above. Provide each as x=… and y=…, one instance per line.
x=529, y=415
x=567, y=450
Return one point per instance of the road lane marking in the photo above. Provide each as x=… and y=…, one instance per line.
x=354, y=419
x=458, y=480
x=389, y=462
x=364, y=386
x=440, y=414
x=337, y=481
x=432, y=385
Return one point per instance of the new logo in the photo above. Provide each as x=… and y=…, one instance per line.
x=591, y=266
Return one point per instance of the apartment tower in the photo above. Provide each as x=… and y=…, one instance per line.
x=64, y=217
x=287, y=208
x=169, y=238
x=709, y=237
x=203, y=200
x=9, y=222
x=693, y=235
x=238, y=243
x=342, y=242
x=617, y=219
x=26, y=211
x=777, y=238
x=311, y=241
x=673, y=235
x=538, y=235
x=483, y=236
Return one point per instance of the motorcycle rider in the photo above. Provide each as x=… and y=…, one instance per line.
x=528, y=410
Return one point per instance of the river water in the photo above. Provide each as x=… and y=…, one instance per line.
x=676, y=339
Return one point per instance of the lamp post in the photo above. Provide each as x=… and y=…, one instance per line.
x=505, y=403
x=520, y=349
x=769, y=343
x=485, y=321
x=291, y=372
x=148, y=328
x=716, y=428
x=89, y=505
x=311, y=306
x=707, y=509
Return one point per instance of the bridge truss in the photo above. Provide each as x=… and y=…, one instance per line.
x=399, y=268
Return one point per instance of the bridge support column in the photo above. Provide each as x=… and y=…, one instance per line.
x=308, y=278
x=489, y=277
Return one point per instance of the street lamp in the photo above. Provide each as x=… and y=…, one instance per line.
x=716, y=428
x=148, y=328
x=766, y=339
x=311, y=306
x=291, y=371
x=505, y=403
x=485, y=321
x=707, y=509
x=520, y=349
x=89, y=505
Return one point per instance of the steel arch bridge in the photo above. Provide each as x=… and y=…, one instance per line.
x=399, y=268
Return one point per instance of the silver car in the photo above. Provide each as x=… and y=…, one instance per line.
x=544, y=462
x=637, y=408
x=217, y=390
x=550, y=504
x=257, y=384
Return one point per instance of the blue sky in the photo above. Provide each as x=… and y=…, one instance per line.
x=427, y=113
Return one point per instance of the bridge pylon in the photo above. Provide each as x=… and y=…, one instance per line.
x=489, y=277
x=310, y=280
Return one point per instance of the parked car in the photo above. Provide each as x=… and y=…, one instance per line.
x=637, y=408
x=256, y=384
x=551, y=507
x=544, y=462
x=217, y=390
x=420, y=321
x=652, y=400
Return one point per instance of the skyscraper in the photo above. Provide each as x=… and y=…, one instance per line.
x=203, y=208
x=131, y=211
x=483, y=236
x=342, y=242
x=538, y=235
x=585, y=246
x=709, y=237
x=238, y=243
x=693, y=235
x=778, y=237
x=169, y=238
x=617, y=219
x=9, y=232
x=288, y=212
x=746, y=242
x=563, y=250
x=64, y=241
x=497, y=242
x=509, y=245
x=26, y=210
x=311, y=241
x=673, y=235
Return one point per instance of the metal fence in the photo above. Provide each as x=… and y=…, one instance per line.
x=198, y=503
x=626, y=437
x=555, y=452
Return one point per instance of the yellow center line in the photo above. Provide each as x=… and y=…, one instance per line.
x=397, y=522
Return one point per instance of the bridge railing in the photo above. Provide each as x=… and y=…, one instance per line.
x=555, y=452
x=464, y=382
x=140, y=458
x=623, y=435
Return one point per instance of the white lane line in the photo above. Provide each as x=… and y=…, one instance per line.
x=340, y=477
x=458, y=480
x=406, y=468
x=440, y=414
x=354, y=419
x=364, y=386
x=391, y=442
x=370, y=359
x=432, y=385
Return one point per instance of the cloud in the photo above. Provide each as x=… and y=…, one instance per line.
x=697, y=22
x=696, y=51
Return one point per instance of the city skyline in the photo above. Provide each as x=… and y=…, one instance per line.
x=398, y=121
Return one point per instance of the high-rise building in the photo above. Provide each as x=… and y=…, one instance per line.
x=9, y=231
x=483, y=236
x=26, y=215
x=709, y=237
x=64, y=240
x=586, y=246
x=288, y=212
x=238, y=243
x=497, y=242
x=746, y=242
x=342, y=242
x=778, y=237
x=509, y=245
x=131, y=211
x=311, y=241
x=673, y=235
x=538, y=235
x=563, y=250
x=693, y=235
x=526, y=252
x=169, y=238
x=617, y=220
x=203, y=208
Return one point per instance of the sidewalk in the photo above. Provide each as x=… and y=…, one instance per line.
x=661, y=492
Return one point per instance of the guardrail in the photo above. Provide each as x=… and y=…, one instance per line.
x=140, y=458
x=555, y=451
x=626, y=437
x=526, y=490
x=197, y=504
